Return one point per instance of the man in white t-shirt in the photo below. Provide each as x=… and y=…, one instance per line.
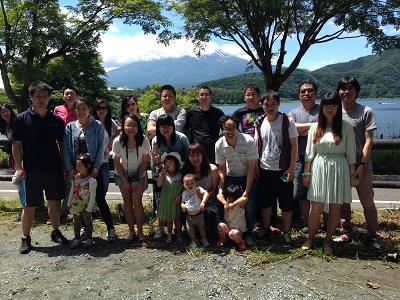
x=168, y=99
x=276, y=137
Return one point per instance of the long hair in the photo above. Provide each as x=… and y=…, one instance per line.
x=124, y=102
x=205, y=163
x=330, y=99
x=3, y=123
x=161, y=121
x=107, y=121
x=139, y=137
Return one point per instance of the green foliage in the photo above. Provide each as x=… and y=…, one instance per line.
x=38, y=42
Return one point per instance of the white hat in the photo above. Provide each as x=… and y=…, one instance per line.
x=174, y=154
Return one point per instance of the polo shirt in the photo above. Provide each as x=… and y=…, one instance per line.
x=236, y=158
x=40, y=138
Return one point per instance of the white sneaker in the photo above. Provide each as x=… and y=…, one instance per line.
x=111, y=236
x=159, y=232
x=205, y=242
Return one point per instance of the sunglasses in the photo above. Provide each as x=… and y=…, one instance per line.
x=102, y=108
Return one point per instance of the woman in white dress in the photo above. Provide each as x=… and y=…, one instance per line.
x=329, y=168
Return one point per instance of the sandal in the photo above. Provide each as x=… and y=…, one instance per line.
x=306, y=246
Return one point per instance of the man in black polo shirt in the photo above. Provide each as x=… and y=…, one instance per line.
x=37, y=135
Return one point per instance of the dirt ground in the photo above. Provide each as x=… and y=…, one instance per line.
x=154, y=271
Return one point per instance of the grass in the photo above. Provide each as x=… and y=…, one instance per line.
x=263, y=252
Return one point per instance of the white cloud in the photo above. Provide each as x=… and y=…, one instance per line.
x=130, y=48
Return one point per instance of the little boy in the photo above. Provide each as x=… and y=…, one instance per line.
x=194, y=199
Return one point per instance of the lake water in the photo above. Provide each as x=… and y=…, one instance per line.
x=387, y=113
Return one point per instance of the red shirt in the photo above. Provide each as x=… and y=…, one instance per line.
x=65, y=114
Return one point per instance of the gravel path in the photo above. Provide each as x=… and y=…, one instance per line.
x=155, y=271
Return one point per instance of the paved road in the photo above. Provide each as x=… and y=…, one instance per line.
x=385, y=197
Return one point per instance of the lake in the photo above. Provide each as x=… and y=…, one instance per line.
x=387, y=113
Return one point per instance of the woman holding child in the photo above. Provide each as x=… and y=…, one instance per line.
x=167, y=140
x=207, y=177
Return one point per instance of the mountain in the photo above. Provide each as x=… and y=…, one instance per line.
x=181, y=72
x=379, y=76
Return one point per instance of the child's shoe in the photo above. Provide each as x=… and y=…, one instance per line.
x=205, y=242
x=75, y=243
x=242, y=246
x=193, y=244
x=220, y=243
x=159, y=232
x=169, y=238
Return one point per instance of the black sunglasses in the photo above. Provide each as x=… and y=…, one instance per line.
x=103, y=108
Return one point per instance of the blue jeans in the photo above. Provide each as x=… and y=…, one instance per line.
x=105, y=171
x=250, y=208
x=299, y=190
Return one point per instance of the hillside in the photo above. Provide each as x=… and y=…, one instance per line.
x=378, y=74
x=182, y=72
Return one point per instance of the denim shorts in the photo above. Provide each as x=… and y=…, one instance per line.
x=118, y=180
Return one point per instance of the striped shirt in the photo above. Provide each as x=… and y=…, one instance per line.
x=236, y=158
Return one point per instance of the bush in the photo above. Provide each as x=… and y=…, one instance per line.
x=385, y=161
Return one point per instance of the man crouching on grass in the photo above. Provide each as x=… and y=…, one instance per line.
x=37, y=135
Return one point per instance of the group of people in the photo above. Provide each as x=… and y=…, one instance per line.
x=227, y=185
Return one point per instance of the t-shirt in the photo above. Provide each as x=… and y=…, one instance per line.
x=66, y=114
x=203, y=124
x=191, y=200
x=236, y=158
x=362, y=118
x=247, y=117
x=134, y=158
x=271, y=135
x=300, y=115
x=177, y=114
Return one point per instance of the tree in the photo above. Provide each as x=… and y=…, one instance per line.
x=262, y=28
x=35, y=33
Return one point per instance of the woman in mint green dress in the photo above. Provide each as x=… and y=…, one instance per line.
x=330, y=166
